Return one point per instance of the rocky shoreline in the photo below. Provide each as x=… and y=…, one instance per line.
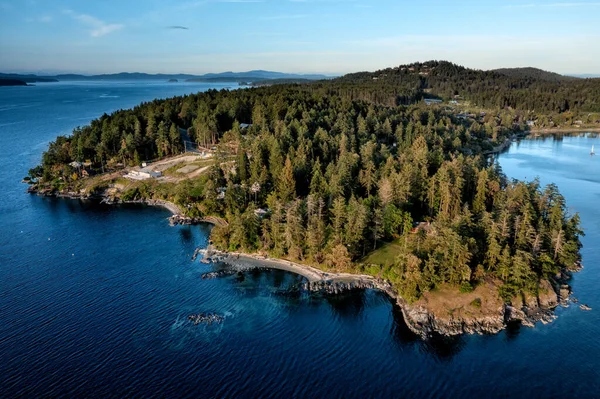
x=526, y=311
x=178, y=217
x=105, y=199
x=424, y=322
x=419, y=318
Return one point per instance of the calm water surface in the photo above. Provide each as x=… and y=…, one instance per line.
x=93, y=301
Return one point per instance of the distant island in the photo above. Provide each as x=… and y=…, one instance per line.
x=12, y=82
x=27, y=78
x=379, y=179
x=251, y=76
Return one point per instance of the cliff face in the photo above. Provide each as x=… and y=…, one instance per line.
x=448, y=312
x=424, y=323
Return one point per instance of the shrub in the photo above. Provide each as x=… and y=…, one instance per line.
x=466, y=287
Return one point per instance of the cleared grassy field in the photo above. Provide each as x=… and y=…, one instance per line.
x=383, y=255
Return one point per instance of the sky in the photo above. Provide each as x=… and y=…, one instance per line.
x=298, y=36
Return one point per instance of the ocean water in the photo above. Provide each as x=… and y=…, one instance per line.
x=94, y=300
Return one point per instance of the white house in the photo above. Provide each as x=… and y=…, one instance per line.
x=143, y=174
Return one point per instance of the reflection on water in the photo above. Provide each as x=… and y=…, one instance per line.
x=186, y=235
x=512, y=331
x=443, y=348
x=348, y=304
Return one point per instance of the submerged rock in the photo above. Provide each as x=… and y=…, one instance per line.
x=217, y=274
x=584, y=307
x=206, y=318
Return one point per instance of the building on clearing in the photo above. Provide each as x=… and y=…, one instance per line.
x=143, y=174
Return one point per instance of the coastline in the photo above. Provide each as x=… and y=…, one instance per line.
x=170, y=206
x=564, y=130
x=537, y=133
x=420, y=317
x=452, y=314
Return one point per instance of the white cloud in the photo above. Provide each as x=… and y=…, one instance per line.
x=97, y=27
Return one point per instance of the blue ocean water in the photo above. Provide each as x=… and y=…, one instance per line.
x=94, y=300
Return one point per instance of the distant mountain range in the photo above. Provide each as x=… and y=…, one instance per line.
x=4, y=77
x=257, y=77
x=249, y=76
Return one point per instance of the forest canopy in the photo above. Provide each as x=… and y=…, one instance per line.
x=326, y=172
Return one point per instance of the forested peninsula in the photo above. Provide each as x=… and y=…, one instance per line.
x=389, y=174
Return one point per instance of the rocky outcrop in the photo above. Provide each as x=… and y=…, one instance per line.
x=526, y=309
x=187, y=220
x=547, y=297
x=333, y=287
x=423, y=323
x=206, y=318
x=529, y=309
x=218, y=274
x=183, y=220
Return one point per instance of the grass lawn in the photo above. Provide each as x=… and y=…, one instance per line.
x=383, y=255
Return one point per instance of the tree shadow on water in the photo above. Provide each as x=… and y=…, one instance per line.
x=440, y=347
x=443, y=348
x=186, y=235
x=349, y=304
x=512, y=331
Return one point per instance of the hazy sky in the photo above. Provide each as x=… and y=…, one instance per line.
x=325, y=36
